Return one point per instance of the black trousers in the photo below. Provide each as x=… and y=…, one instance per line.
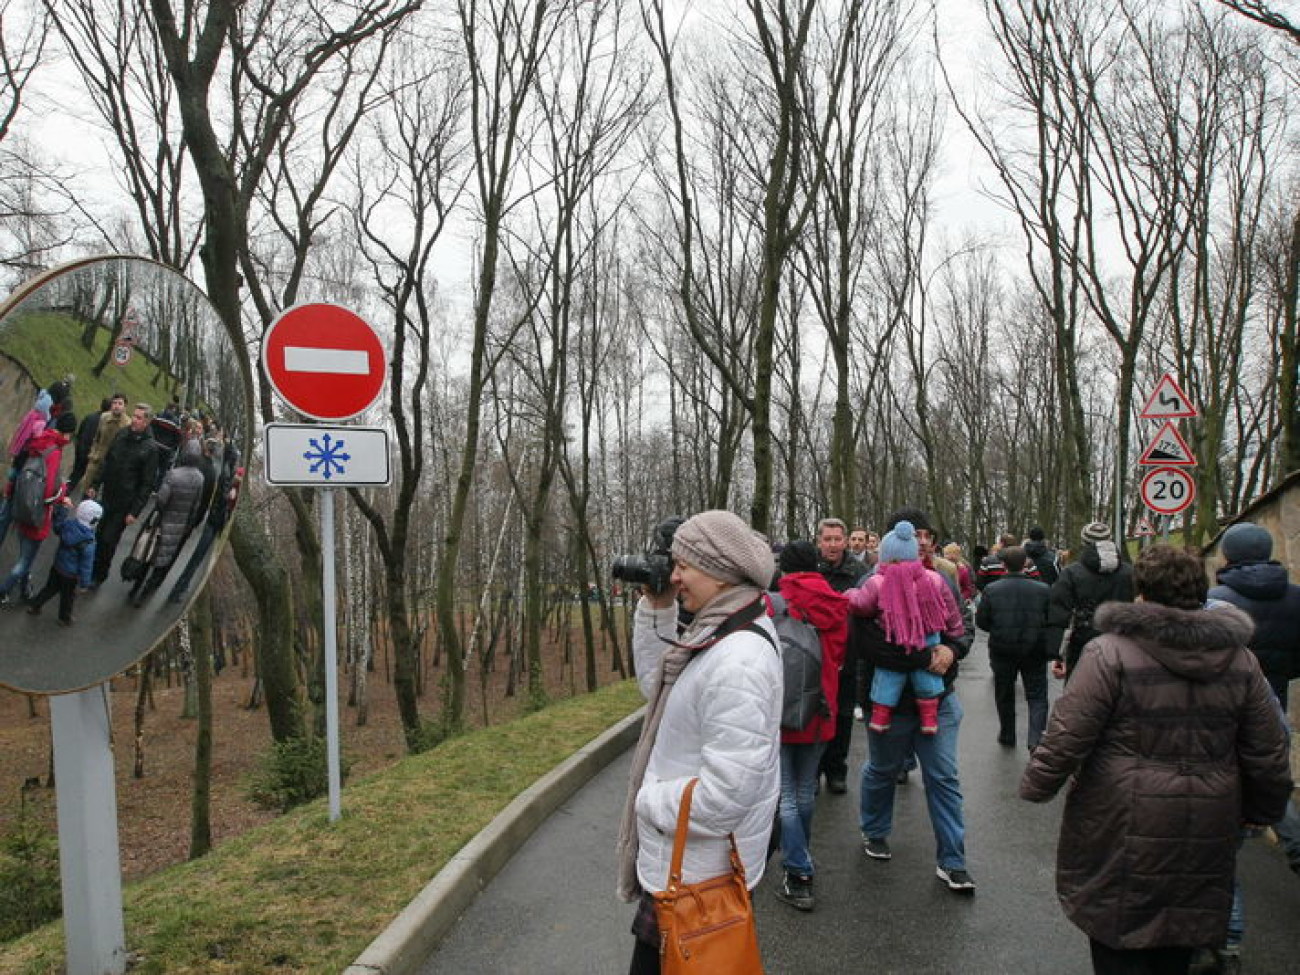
x=64, y=587
x=1139, y=961
x=645, y=959
x=835, y=757
x=112, y=525
x=1032, y=672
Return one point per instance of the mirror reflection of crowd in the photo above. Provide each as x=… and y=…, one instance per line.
x=177, y=471
x=35, y=455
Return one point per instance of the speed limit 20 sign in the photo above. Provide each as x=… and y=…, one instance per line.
x=1168, y=490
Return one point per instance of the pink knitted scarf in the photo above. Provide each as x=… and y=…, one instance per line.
x=909, y=606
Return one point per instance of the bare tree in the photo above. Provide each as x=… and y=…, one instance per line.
x=1231, y=131
x=590, y=100
x=1263, y=13
x=418, y=171
x=837, y=250
x=1044, y=184
x=29, y=222
x=504, y=44
x=22, y=49
x=116, y=52
x=195, y=39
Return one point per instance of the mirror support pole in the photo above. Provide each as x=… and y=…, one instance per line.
x=89, y=858
x=330, y=606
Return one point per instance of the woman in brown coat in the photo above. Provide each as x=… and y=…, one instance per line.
x=1174, y=741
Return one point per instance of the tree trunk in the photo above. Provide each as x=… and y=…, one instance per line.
x=277, y=675
x=200, y=623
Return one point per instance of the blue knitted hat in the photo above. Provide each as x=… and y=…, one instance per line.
x=900, y=544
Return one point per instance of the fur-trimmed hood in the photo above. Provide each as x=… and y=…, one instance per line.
x=1197, y=644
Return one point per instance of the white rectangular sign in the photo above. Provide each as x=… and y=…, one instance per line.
x=319, y=455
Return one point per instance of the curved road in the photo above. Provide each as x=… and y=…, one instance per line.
x=552, y=908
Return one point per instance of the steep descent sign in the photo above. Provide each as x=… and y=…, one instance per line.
x=1167, y=447
x=325, y=361
x=1168, y=401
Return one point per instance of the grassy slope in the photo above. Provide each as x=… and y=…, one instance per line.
x=305, y=895
x=48, y=344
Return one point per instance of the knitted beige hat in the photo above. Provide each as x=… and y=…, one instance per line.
x=721, y=544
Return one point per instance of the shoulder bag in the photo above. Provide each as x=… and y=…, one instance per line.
x=706, y=928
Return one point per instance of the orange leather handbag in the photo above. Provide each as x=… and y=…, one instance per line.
x=706, y=928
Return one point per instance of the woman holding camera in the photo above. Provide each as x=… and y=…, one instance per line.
x=714, y=713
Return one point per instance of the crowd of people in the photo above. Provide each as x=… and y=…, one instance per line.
x=1169, y=685
x=178, y=470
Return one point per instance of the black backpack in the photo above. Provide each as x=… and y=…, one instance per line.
x=801, y=664
x=29, y=491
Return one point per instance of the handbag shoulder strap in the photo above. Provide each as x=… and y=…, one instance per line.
x=679, y=840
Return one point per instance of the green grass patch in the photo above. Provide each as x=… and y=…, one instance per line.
x=302, y=894
x=48, y=345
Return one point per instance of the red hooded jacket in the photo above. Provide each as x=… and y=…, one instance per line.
x=54, y=487
x=810, y=597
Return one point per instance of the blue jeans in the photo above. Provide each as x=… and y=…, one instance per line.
x=799, y=764
x=887, y=685
x=1288, y=834
x=27, y=549
x=938, y=757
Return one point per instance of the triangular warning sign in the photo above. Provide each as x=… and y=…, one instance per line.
x=1144, y=527
x=1168, y=402
x=1168, y=448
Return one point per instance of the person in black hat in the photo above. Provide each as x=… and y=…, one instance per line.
x=1042, y=555
x=1099, y=575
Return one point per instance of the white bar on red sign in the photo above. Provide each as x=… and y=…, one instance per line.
x=344, y=362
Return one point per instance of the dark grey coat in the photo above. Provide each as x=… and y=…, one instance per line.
x=1173, y=739
x=179, y=500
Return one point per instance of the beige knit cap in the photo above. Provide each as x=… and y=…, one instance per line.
x=721, y=544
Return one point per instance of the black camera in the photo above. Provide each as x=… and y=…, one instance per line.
x=654, y=568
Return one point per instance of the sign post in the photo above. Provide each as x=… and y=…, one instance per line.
x=329, y=364
x=90, y=868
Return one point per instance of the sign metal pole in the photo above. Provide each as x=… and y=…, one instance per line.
x=90, y=866
x=328, y=590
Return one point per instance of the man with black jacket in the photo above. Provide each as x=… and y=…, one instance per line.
x=843, y=572
x=1013, y=610
x=123, y=486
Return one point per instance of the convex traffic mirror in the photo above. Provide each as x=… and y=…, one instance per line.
x=124, y=417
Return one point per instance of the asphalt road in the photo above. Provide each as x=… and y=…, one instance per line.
x=552, y=909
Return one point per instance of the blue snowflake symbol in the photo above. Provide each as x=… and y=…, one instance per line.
x=326, y=456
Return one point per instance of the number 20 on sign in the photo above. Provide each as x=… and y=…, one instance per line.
x=1168, y=490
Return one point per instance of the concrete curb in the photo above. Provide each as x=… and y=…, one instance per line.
x=413, y=935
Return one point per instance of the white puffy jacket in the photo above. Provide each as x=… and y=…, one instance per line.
x=722, y=723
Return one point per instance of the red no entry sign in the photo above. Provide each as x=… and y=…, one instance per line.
x=324, y=361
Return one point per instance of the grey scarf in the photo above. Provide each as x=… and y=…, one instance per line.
x=692, y=641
